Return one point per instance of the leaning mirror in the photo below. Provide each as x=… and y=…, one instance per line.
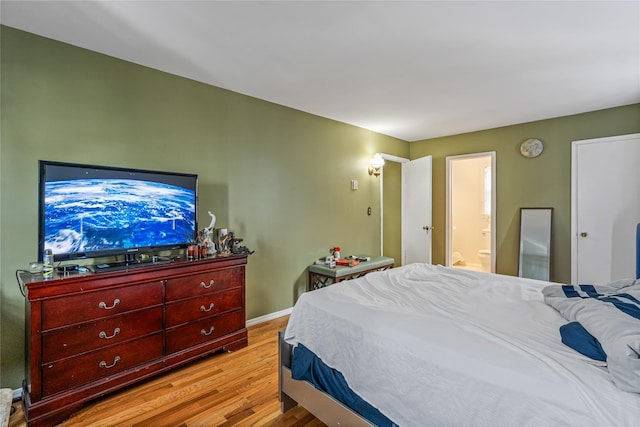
x=535, y=243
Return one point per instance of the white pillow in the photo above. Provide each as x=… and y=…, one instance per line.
x=611, y=313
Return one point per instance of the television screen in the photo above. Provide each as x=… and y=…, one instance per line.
x=90, y=211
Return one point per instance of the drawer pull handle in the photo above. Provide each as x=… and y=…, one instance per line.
x=203, y=332
x=104, y=304
x=204, y=285
x=204, y=309
x=103, y=364
x=104, y=335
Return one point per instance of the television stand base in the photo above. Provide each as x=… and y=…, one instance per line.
x=124, y=265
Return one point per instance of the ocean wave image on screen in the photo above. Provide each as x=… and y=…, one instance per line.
x=103, y=214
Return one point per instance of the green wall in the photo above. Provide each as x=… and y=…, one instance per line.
x=544, y=181
x=277, y=177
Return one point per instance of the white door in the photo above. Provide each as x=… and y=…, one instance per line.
x=416, y=211
x=605, y=208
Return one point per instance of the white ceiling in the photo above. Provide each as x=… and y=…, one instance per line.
x=412, y=70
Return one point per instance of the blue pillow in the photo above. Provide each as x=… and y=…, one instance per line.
x=576, y=336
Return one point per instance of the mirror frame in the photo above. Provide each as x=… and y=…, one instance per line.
x=548, y=238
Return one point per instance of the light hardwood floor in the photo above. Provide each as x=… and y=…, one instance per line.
x=226, y=389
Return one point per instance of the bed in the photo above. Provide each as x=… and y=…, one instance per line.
x=427, y=345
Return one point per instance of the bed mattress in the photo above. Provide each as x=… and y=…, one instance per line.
x=434, y=346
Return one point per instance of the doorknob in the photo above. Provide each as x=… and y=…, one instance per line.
x=427, y=228
x=583, y=234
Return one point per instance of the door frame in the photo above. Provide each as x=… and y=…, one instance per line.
x=396, y=159
x=449, y=220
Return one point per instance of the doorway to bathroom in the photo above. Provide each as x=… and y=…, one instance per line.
x=471, y=219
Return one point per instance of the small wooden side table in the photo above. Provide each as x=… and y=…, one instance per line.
x=321, y=275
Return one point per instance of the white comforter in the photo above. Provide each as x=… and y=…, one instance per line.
x=434, y=346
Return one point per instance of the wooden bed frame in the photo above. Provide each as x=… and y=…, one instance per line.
x=293, y=392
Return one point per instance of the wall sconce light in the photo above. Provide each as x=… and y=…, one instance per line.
x=375, y=164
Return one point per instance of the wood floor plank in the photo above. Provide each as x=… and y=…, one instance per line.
x=226, y=389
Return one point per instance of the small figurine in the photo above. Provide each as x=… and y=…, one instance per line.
x=236, y=248
x=206, y=237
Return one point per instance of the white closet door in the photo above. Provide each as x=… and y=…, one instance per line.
x=605, y=208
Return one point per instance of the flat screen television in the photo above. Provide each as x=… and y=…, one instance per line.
x=94, y=211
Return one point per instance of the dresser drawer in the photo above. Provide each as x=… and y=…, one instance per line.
x=85, y=337
x=76, y=371
x=192, y=334
x=87, y=306
x=202, y=283
x=205, y=306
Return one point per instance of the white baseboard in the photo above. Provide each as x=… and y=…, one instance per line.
x=17, y=394
x=269, y=316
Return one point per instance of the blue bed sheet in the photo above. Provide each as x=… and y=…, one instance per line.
x=305, y=365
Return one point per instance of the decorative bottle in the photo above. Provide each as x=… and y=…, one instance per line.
x=47, y=264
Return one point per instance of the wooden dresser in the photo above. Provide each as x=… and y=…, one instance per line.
x=89, y=335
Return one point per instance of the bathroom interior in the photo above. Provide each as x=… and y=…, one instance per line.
x=470, y=192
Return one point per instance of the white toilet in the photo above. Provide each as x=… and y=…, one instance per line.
x=484, y=255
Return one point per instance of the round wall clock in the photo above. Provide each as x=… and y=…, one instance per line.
x=531, y=148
